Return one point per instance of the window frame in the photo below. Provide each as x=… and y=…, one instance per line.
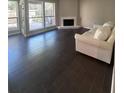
x=17, y=18
x=42, y=4
x=50, y=16
x=44, y=16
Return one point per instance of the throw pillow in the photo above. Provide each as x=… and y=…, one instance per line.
x=109, y=24
x=102, y=33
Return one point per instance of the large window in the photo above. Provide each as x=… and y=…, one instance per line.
x=41, y=15
x=12, y=16
x=49, y=14
x=36, y=20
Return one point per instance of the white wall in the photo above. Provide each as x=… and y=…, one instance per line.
x=68, y=8
x=96, y=12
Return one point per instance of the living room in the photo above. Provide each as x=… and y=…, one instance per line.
x=61, y=46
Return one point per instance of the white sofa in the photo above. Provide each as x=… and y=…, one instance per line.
x=101, y=50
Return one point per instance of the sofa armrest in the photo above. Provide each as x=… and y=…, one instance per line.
x=93, y=42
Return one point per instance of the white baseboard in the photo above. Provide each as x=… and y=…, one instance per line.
x=14, y=33
x=88, y=27
x=31, y=33
x=69, y=27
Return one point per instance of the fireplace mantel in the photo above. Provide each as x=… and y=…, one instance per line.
x=75, y=20
x=68, y=27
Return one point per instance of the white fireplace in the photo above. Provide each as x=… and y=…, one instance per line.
x=68, y=23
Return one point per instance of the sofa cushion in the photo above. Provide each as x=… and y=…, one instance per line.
x=102, y=33
x=89, y=33
x=93, y=42
x=109, y=24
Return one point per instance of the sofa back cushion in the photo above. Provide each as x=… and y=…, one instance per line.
x=102, y=33
x=109, y=24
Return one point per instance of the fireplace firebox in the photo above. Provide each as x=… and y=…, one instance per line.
x=68, y=22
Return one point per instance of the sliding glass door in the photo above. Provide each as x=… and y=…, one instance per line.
x=49, y=14
x=13, y=20
x=41, y=15
x=36, y=19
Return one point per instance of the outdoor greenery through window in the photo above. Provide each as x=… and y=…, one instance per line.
x=12, y=15
x=49, y=14
x=41, y=16
x=36, y=20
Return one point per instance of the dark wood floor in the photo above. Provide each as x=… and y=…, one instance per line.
x=48, y=63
